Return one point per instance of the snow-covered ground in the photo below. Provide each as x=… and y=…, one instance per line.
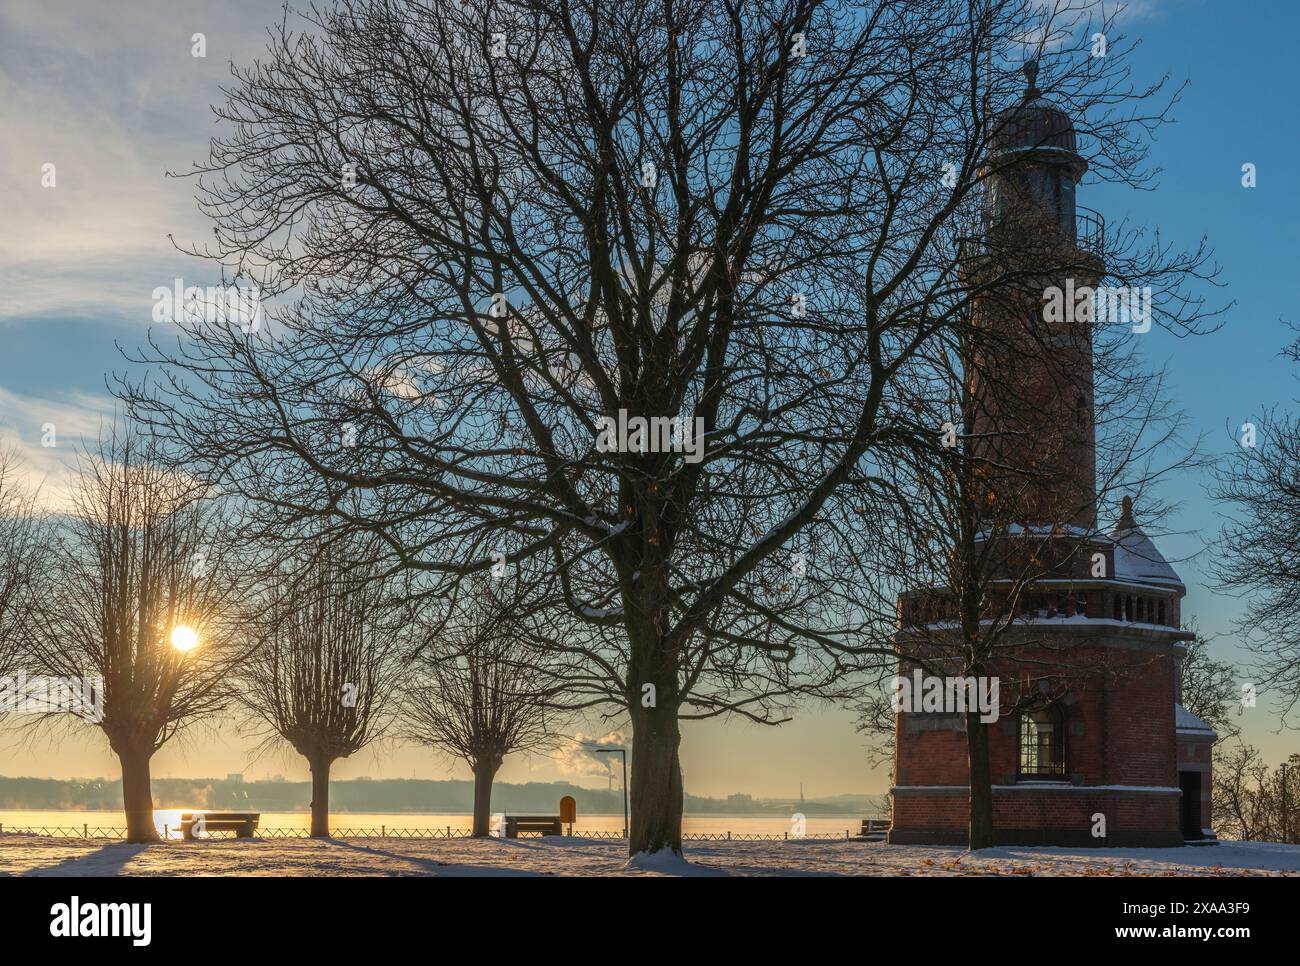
x=38, y=855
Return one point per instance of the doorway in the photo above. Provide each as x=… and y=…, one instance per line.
x=1190, y=783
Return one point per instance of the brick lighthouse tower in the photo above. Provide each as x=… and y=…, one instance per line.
x=1091, y=745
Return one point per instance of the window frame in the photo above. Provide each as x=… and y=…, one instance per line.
x=1059, y=772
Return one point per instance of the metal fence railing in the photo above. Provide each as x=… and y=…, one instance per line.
x=170, y=832
x=723, y=836
x=67, y=831
x=384, y=832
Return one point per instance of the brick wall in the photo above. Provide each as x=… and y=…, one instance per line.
x=1118, y=704
x=1065, y=816
x=1119, y=712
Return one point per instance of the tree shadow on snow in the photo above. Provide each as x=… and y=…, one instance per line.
x=107, y=860
x=433, y=866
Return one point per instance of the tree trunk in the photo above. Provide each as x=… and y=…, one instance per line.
x=484, y=772
x=137, y=795
x=320, y=799
x=656, y=792
x=981, y=782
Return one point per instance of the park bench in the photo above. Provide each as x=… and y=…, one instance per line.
x=243, y=824
x=874, y=829
x=546, y=824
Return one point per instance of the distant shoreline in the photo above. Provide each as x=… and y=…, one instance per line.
x=394, y=796
x=407, y=811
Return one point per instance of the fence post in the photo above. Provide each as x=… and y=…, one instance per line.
x=728, y=835
x=85, y=830
x=448, y=831
x=383, y=831
x=167, y=832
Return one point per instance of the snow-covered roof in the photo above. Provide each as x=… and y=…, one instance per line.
x=1187, y=723
x=1136, y=557
x=1044, y=530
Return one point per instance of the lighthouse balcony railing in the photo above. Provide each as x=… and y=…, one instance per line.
x=1089, y=230
x=1089, y=235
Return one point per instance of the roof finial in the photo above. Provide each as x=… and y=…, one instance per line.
x=1030, y=70
x=1126, y=521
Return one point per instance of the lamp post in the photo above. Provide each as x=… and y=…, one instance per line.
x=623, y=752
x=1285, y=830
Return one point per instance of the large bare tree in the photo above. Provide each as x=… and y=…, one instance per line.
x=505, y=233
x=140, y=603
x=476, y=693
x=330, y=644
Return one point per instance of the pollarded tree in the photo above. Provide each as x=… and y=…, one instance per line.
x=20, y=552
x=141, y=604
x=475, y=691
x=501, y=228
x=324, y=675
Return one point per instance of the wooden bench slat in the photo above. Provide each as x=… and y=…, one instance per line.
x=243, y=824
x=546, y=824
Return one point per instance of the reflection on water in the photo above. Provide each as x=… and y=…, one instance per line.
x=170, y=819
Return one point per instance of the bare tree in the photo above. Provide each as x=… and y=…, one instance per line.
x=139, y=607
x=1210, y=688
x=1251, y=801
x=1001, y=510
x=1037, y=418
x=19, y=552
x=476, y=693
x=629, y=289
x=1258, y=552
x=328, y=660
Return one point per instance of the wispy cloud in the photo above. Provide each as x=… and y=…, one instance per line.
x=1068, y=17
x=28, y=424
x=110, y=95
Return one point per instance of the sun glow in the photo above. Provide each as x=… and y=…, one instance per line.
x=184, y=638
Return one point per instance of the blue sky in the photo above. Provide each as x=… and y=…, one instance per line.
x=111, y=95
x=1239, y=108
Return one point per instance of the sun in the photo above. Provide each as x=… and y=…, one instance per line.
x=184, y=638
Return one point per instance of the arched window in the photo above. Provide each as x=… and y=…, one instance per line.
x=1042, y=742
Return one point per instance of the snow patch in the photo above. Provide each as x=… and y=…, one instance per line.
x=664, y=862
x=1187, y=723
x=1136, y=558
x=557, y=856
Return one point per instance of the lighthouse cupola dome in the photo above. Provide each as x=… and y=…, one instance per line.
x=1034, y=161
x=1035, y=124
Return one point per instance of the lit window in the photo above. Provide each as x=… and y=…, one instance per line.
x=1042, y=743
